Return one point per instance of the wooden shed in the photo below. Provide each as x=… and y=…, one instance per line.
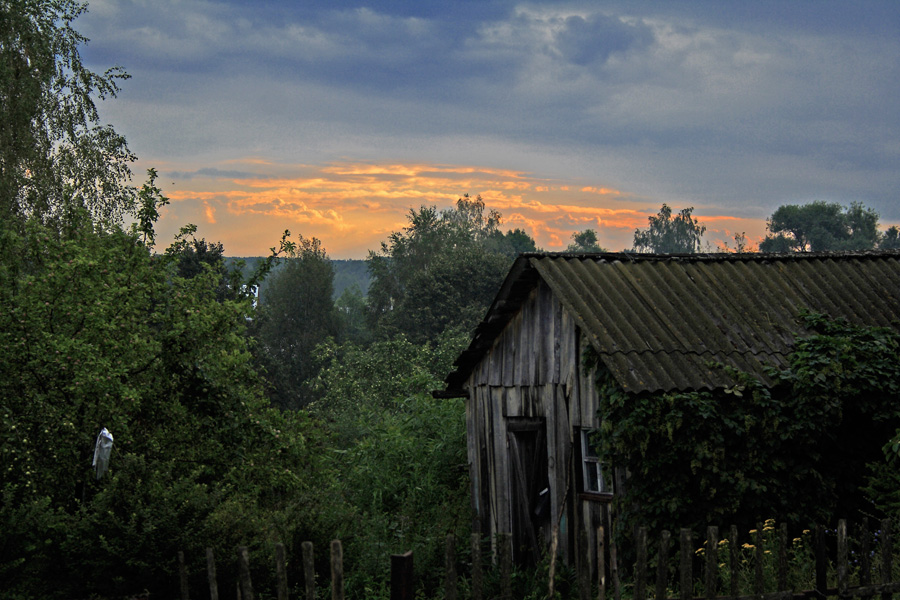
x=657, y=322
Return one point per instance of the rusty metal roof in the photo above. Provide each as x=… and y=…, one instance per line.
x=660, y=321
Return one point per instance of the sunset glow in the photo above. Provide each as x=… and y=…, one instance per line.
x=353, y=206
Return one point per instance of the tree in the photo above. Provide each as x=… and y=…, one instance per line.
x=440, y=272
x=585, y=241
x=821, y=227
x=891, y=239
x=681, y=234
x=54, y=153
x=297, y=313
x=95, y=331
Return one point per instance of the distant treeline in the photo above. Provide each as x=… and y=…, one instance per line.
x=347, y=273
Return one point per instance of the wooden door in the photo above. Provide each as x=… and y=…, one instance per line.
x=529, y=489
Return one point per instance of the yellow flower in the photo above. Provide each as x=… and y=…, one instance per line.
x=752, y=531
x=748, y=546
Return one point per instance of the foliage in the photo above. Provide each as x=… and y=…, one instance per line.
x=821, y=226
x=585, y=241
x=297, y=313
x=740, y=244
x=407, y=481
x=891, y=239
x=797, y=449
x=441, y=272
x=800, y=560
x=353, y=378
x=54, y=153
x=665, y=234
x=400, y=452
x=96, y=332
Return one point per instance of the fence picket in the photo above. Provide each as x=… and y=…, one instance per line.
x=246, y=586
x=686, y=567
x=309, y=571
x=280, y=572
x=337, y=570
x=211, y=575
x=640, y=574
x=662, y=564
x=887, y=555
x=712, y=561
x=848, y=584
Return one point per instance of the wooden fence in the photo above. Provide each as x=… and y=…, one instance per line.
x=767, y=563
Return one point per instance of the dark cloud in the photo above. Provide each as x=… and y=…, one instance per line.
x=585, y=41
x=706, y=100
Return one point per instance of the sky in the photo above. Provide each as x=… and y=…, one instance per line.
x=333, y=119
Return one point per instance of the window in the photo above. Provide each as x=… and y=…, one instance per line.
x=592, y=469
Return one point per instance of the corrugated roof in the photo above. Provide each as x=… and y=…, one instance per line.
x=659, y=321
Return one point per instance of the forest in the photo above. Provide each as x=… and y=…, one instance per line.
x=251, y=402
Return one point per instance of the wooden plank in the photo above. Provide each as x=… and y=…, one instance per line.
x=280, y=573
x=662, y=565
x=309, y=571
x=556, y=307
x=712, y=562
x=501, y=467
x=211, y=575
x=843, y=565
x=865, y=544
x=887, y=555
x=337, y=570
x=402, y=577
x=760, y=584
x=734, y=559
x=686, y=566
x=821, y=564
x=783, y=547
x=640, y=566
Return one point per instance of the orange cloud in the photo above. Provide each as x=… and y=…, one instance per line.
x=353, y=206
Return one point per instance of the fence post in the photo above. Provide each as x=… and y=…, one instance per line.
x=887, y=556
x=504, y=543
x=842, y=556
x=183, y=577
x=614, y=569
x=551, y=574
x=477, y=575
x=783, y=558
x=337, y=570
x=712, y=561
x=640, y=567
x=760, y=556
x=662, y=564
x=601, y=563
x=402, y=576
x=309, y=571
x=821, y=563
x=280, y=572
x=865, y=565
x=686, y=567
x=583, y=564
x=244, y=573
x=450, y=566
x=735, y=561
x=211, y=575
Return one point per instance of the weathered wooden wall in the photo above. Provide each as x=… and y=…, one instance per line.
x=533, y=370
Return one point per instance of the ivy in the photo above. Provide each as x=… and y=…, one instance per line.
x=797, y=450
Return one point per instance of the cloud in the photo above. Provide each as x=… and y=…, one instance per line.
x=732, y=108
x=353, y=206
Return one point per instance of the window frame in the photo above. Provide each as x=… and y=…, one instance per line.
x=589, y=461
